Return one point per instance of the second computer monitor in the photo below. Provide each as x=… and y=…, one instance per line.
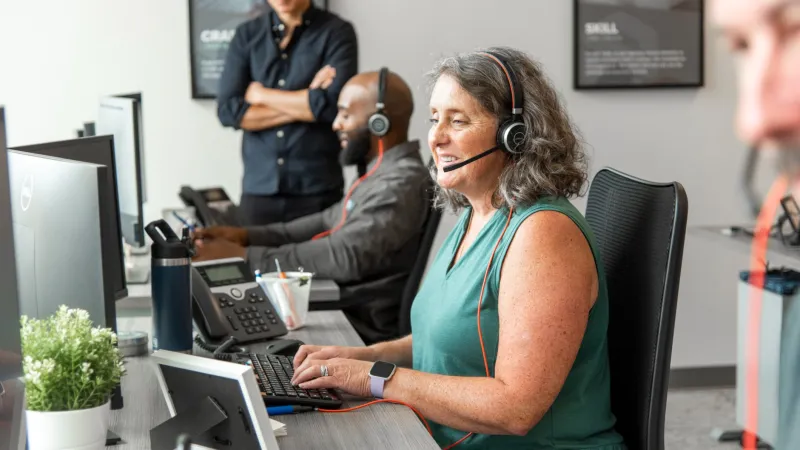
x=58, y=208
x=119, y=117
x=97, y=150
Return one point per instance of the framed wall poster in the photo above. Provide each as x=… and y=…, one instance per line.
x=212, y=24
x=638, y=43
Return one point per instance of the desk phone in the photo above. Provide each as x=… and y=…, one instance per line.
x=227, y=301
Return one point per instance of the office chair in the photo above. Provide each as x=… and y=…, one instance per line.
x=640, y=228
x=418, y=270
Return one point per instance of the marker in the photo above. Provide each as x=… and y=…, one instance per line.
x=288, y=409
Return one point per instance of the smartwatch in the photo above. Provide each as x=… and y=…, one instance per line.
x=379, y=374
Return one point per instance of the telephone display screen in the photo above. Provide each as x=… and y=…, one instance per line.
x=222, y=273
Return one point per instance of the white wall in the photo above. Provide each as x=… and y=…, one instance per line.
x=94, y=47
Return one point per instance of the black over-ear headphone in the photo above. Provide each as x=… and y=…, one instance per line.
x=511, y=133
x=378, y=123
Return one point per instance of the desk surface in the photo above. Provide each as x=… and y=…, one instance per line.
x=380, y=426
x=322, y=291
x=778, y=253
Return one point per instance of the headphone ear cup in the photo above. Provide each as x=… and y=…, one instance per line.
x=378, y=124
x=511, y=135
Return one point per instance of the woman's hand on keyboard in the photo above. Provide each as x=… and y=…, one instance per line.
x=324, y=352
x=348, y=375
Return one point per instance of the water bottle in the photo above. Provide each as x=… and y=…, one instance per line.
x=171, y=270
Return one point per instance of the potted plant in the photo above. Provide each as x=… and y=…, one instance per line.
x=70, y=371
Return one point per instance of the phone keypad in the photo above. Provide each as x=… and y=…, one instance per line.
x=249, y=314
x=224, y=301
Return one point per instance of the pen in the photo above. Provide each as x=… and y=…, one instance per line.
x=183, y=221
x=288, y=409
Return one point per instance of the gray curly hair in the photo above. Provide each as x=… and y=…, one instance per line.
x=552, y=161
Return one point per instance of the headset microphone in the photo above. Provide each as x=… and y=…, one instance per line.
x=455, y=166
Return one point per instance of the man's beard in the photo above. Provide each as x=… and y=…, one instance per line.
x=359, y=143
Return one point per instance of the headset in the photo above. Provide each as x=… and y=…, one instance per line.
x=378, y=122
x=511, y=132
x=512, y=129
x=378, y=125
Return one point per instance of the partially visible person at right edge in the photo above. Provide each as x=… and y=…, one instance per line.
x=765, y=36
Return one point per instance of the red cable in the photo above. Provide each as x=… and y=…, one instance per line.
x=350, y=193
x=398, y=402
x=757, y=279
x=480, y=337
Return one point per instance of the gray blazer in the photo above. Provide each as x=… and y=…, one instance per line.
x=372, y=253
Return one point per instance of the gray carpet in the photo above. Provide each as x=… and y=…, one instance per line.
x=693, y=413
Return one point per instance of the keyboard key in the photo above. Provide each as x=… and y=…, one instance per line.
x=254, y=295
x=238, y=310
x=242, y=317
x=257, y=315
x=233, y=323
x=273, y=321
x=251, y=330
x=252, y=300
x=261, y=322
x=261, y=300
x=264, y=328
x=302, y=395
x=252, y=309
x=250, y=316
x=314, y=395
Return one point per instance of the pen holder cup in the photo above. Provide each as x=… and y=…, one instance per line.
x=290, y=296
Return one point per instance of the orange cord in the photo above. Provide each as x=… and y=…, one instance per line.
x=350, y=193
x=757, y=279
x=480, y=338
x=398, y=402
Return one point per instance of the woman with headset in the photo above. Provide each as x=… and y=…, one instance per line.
x=509, y=347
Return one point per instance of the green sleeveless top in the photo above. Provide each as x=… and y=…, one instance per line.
x=444, y=326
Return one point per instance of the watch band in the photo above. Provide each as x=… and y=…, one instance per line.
x=376, y=386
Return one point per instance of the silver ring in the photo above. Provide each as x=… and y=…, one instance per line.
x=323, y=370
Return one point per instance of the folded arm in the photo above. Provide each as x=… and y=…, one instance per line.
x=260, y=117
x=316, y=104
x=549, y=284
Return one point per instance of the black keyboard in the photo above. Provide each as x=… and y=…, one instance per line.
x=274, y=375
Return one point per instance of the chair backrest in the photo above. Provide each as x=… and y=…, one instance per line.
x=640, y=228
x=415, y=277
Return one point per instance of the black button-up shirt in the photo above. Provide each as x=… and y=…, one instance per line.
x=297, y=158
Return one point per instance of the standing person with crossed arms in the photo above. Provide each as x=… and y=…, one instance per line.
x=368, y=242
x=282, y=76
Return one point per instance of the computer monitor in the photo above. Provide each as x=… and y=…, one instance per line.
x=97, y=150
x=59, y=208
x=119, y=117
x=12, y=392
x=137, y=96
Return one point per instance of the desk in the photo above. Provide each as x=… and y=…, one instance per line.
x=381, y=426
x=777, y=253
x=322, y=290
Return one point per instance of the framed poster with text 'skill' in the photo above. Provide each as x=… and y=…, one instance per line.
x=638, y=43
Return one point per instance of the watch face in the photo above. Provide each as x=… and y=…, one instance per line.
x=382, y=369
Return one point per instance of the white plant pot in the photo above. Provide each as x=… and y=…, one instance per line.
x=84, y=429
